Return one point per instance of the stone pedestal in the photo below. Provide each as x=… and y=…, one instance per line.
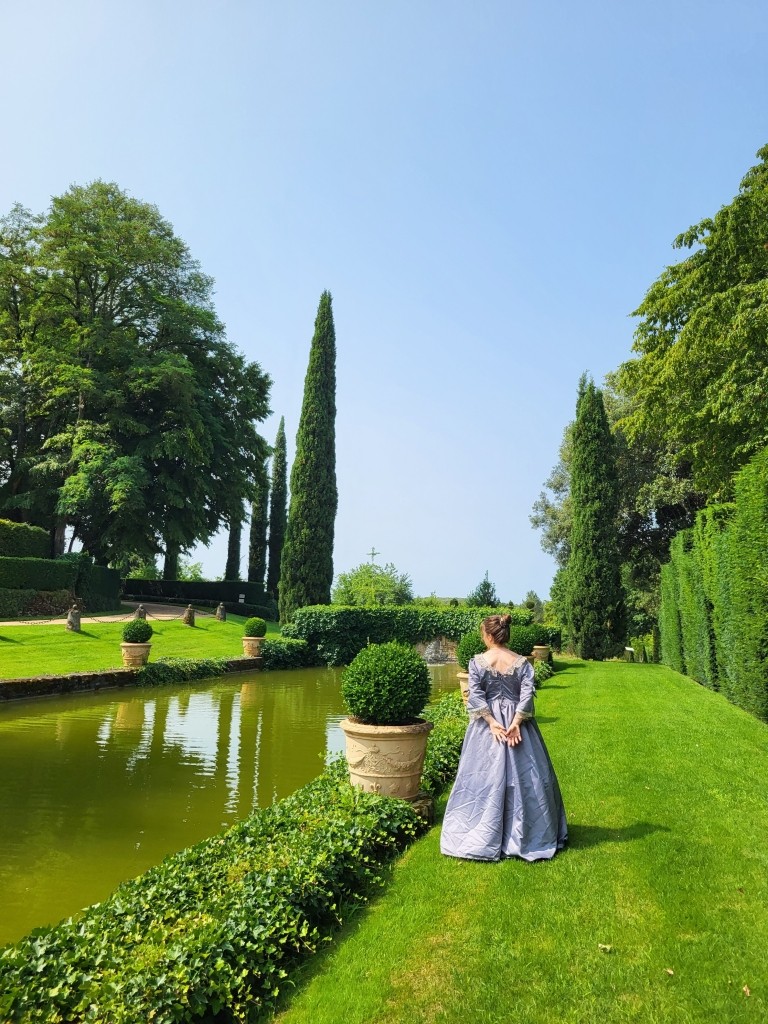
x=188, y=618
x=73, y=619
x=221, y=613
x=140, y=613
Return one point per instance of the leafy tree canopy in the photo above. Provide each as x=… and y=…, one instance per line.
x=369, y=584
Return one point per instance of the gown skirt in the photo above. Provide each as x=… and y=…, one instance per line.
x=506, y=800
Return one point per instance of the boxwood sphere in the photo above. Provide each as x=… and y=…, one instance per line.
x=137, y=631
x=469, y=645
x=255, y=627
x=386, y=684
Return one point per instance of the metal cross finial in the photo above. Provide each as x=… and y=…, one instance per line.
x=373, y=552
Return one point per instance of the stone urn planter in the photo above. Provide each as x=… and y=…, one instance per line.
x=385, y=689
x=463, y=678
x=254, y=631
x=136, y=644
x=541, y=652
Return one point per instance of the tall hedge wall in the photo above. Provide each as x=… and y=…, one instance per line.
x=338, y=633
x=716, y=588
x=37, y=574
x=196, y=590
x=97, y=587
x=18, y=540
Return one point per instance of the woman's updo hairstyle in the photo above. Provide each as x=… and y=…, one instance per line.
x=497, y=628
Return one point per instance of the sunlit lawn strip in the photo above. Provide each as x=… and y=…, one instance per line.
x=657, y=912
x=52, y=650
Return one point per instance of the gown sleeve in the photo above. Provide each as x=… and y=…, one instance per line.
x=527, y=687
x=477, y=705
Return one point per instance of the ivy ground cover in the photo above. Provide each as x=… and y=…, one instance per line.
x=51, y=650
x=657, y=913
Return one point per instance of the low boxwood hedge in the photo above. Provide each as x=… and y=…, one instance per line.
x=280, y=652
x=338, y=633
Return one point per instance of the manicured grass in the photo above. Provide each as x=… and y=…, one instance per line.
x=51, y=650
x=657, y=913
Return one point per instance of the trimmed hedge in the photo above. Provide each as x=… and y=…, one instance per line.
x=279, y=653
x=213, y=930
x=714, y=594
x=265, y=611
x=14, y=603
x=37, y=574
x=180, y=670
x=194, y=590
x=19, y=540
x=338, y=633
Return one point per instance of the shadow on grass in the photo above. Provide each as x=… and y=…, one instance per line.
x=9, y=640
x=580, y=837
x=546, y=719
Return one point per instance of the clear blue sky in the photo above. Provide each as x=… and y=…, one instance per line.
x=486, y=188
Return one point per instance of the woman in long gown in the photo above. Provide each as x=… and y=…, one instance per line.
x=506, y=800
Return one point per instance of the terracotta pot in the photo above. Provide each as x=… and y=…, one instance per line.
x=386, y=759
x=135, y=655
x=463, y=678
x=252, y=646
x=541, y=652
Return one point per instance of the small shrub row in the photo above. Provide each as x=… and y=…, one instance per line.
x=17, y=603
x=180, y=670
x=339, y=633
x=213, y=931
x=18, y=540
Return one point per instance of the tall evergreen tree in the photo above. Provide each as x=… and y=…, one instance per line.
x=306, y=568
x=278, y=510
x=232, y=570
x=595, y=601
x=257, y=541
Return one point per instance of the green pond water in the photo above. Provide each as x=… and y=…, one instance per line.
x=96, y=788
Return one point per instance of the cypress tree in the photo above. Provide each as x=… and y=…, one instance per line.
x=306, y=567
x=232, y=570
x=278, y=510
x=257, y=539
x=595, y=600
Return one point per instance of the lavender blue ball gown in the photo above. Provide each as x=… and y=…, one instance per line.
x=505, y=801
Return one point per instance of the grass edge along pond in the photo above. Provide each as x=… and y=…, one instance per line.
x=657, y=913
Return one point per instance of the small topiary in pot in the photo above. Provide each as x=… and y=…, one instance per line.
x=137, y=631
x=385, y=689
x=386, y=684
x=255, y=627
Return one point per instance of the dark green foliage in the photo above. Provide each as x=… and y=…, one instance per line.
x=232, y=568
x=306, y=568
x=445, y=741
x=278, y=510
x=695, y=614
x=212, y=932
x=337, y=634
x=468, y=646
x=386, y=684
x=542, y=672
x=712, y=542
x=180, y=670
x=97, y=587
x=484, y=594
x=37, y=574
x=281, y=652
x=137, y=631
x=669, y=620
x=255, y=626
x=257, y=535
x=15, y=603
x=17, y=540
x=194, y=590
x=596, y=613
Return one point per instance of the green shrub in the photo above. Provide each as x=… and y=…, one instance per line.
x=445, y=742
x=14, y=602
x=542, y=672
x=37, y=574
x=386, y=684
x=18, y=540
x=339, y=633
x=469, y=645
x=180, y=670
x=281, y=652
x=137, y=631
x=97, y=586
x=212, y=932
x=255, y=627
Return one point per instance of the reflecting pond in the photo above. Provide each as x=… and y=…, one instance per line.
x=97, y=788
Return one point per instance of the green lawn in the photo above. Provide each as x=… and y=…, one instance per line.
x=51, y=650
x=657, y=913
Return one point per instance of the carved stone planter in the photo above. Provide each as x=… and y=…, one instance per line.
x=463, y=678
x=386, y=759
x=135, y=655
x=252, y=646
x=541, y=652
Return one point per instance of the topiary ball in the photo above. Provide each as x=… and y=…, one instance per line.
x=386, y=684
x=255, y=627
x=137, y=631
x=469, y=645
